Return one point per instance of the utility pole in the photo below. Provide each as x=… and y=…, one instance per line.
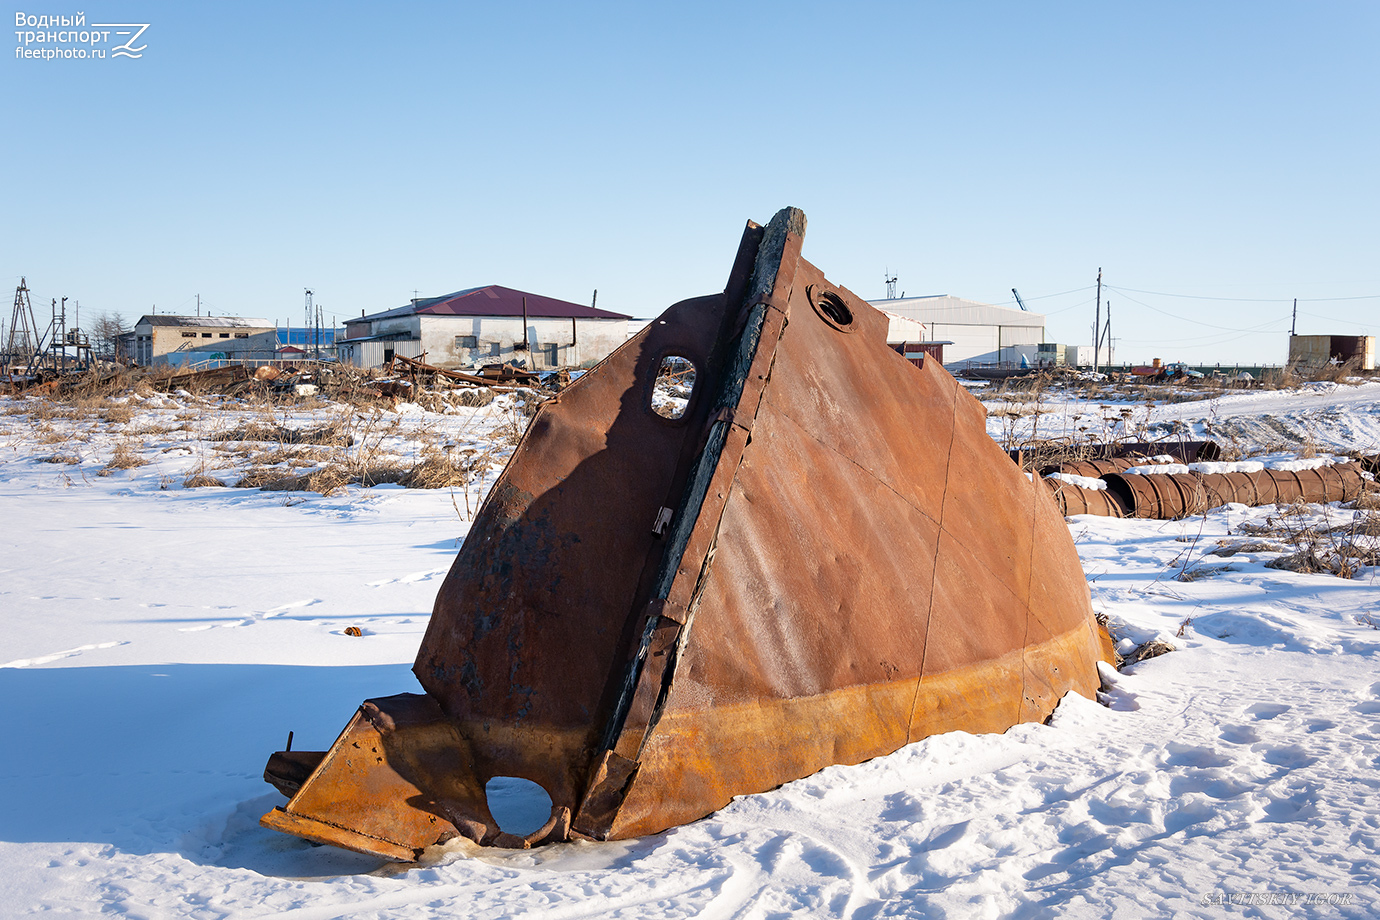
x=526, y=346
x=1109, y=336
x=1097, y=325
x=1293, y=323
x=198, y=304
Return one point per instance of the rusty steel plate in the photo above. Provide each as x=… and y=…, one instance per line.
x=824, y=558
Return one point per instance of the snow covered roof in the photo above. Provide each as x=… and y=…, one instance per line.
x=941, y=308
x=237, y=322
x=492, y=300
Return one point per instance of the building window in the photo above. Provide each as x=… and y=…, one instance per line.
x=466, y=341
x=206, y=335
x=495, y=349
x=185, y=335
x=241, y=335
x=225, y=335
x=553, y=354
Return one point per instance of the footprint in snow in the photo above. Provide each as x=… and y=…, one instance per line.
x=1192, y=755
x=1240, y=734
x=1289, y=755
x=58, y=656
x=408, y=579
x=1267, y=711
x=284, y=608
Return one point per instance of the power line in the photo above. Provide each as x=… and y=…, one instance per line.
x=1185, y=319
x=1249, y=299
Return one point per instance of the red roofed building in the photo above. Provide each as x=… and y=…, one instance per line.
x=485, y=325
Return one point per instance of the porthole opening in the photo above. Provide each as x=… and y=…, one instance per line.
x=832, y=306
x=520, y=806
x=673, y=387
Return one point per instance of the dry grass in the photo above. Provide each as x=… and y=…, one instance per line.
x=1203, y=571
x=1227, y=548
x=331, y=434
x=291, y=457
x=117, y=414
x=1367, y=501
x=442, y=469
x=327, y=480
x=202, y=481
x=259, y=477
x=1152, y=649
x=47, y=434
x=125, y=457
x=69, y=459
x=1343, y=550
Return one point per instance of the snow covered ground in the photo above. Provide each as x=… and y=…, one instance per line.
x=158, y=642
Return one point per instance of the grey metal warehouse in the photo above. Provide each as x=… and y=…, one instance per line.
x=981, y=333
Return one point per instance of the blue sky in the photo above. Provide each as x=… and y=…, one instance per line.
x=1227, y=152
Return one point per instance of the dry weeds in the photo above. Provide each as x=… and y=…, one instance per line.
x=125, y=457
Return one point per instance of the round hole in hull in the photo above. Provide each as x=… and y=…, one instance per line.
x=520, y=806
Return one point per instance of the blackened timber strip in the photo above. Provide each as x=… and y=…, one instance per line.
x=761, y=287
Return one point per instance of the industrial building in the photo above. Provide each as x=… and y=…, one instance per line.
x=974, y=333
x=485, y=325
x=1320, y=350
x=162, y=338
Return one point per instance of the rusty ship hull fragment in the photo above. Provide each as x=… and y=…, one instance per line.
x=822, y=559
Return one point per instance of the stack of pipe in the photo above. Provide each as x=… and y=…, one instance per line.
x=1166, y=496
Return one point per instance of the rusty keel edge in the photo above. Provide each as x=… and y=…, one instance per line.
x=824, y=558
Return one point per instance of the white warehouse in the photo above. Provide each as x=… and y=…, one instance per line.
x=979, y=333
x=485, y=325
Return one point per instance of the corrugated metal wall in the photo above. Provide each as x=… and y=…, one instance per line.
x=375, y=353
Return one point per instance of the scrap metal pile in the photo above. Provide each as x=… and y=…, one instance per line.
x=817, y=558
x=1173, y=480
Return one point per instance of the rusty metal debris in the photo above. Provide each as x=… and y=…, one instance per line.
x=822, y=558
x=490, y=375
x=1095, y=459
x=1166, y=496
